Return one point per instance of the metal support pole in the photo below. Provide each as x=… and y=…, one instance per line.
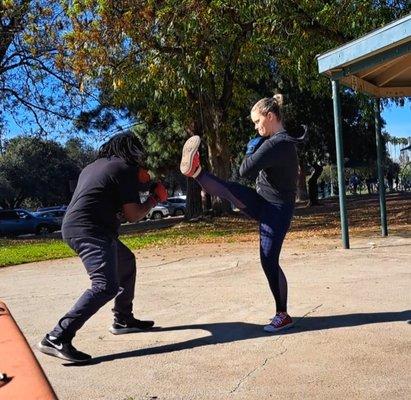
x=340, y=162
x=381, y=183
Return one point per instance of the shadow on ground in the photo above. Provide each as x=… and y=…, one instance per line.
x=225, y=332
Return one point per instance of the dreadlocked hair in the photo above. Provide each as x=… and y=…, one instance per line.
x=125, y=145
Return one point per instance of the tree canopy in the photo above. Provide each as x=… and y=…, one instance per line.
x=38, y=92
x=35, y=171
x=189, y=66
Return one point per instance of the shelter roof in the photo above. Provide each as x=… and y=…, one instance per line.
x=378, y=63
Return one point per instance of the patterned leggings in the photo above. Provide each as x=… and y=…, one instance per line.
x=274, y=220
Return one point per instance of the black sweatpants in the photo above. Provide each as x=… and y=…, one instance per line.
x=111, y=267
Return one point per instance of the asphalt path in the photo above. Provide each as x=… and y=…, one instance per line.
x=351, y=338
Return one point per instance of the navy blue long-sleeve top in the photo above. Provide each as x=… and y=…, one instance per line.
x=275, y=167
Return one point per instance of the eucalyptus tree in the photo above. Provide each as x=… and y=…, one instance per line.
x=197, y=63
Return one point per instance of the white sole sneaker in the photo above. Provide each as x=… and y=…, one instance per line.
x=189, y=150
x=51, y=352
x=55, y=353
x=123, y=331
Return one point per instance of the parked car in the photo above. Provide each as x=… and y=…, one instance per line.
x=21, y=222
x=158, y=212
x=175, y=205
x=51, y=208
x=56, y=215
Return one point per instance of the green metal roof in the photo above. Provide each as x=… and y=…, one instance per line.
x=378, y=63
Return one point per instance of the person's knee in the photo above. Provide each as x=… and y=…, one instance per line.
x=130, y=264
x=132, y=261
x=106, y=290
x=270, y=253
x=267, y=246
x=127, y=258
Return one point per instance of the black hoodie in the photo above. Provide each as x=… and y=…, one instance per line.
x=275, y=165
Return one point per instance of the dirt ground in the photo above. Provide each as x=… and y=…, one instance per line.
x=210, y=301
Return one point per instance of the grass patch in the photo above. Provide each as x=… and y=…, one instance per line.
x=17, y=251
x=309, y=223
x=181, y=234
x=14, y=252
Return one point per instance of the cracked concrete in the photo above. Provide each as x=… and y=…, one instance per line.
x=210, y=303
x=242, y=380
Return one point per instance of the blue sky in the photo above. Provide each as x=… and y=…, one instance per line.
x=398, y=120
x=398, y=123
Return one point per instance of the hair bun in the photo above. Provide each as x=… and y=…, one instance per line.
x=279, y=99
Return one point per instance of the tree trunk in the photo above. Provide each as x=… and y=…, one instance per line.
x=219, y=159
x=193, y=203
x=302, y=194
x=312, y=184
x=206, y=200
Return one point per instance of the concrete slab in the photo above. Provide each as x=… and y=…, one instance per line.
x=210, y=301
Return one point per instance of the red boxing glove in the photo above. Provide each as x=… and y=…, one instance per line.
x=143, y=176
x=159, y=192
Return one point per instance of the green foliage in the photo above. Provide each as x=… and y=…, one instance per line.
x=203, y=64
x=395, y=140
x=310, y=27
x=162, y=143
x=405, y=173
x=36, y=169
x=80, y=153
x=184, y=64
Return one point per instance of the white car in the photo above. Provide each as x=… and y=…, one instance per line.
x=158, y=212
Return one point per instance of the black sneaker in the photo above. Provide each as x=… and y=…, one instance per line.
x=129, y=326
x=65, y=350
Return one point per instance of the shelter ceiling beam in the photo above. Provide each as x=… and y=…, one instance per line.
x=393, y=71
x=376, y=69
x=363, y=86
x=395, y=91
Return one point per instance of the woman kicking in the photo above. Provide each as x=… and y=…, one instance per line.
x=272, y=160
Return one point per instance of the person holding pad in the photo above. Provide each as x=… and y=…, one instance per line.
x=108, y=186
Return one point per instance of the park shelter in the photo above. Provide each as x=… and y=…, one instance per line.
x=378, y=64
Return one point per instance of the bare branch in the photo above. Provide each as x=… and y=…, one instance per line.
x=52, y=73
x=14, y=27
x=11, y=66
x=35, y=106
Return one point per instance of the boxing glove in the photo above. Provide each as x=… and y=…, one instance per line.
x=143, y=176
x=159, y=192
x=254, y=144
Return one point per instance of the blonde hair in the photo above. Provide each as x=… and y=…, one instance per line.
x=270, y=104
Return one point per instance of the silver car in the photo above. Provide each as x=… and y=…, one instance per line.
x=176, y=205
x=158, y=212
